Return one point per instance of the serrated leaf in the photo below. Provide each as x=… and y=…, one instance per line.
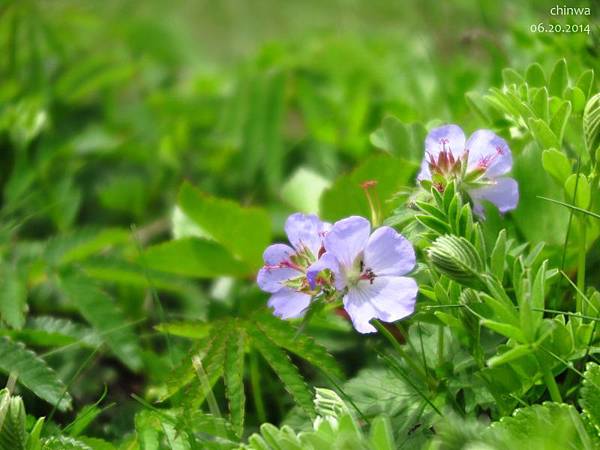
x=33, y=373
x=550, y=425
x=234, y=378
x=556, y=164
x=286, y=336
x=590, y=394
x=284, y=368
x=100, y=310
x=244, y=232
x=47, y=331
x=559, y=78
x=193, y=257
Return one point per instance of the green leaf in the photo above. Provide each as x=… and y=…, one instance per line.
x=510, y=355
x=283, y=367
x=187, y=329
x=556, y=164
x=47, y=331
x=33, y=441
x=244, y=232
x=12, y=422
x=234, y=378
x=576, y=98
x=538, y=295
x=540, y=104
x=590, y=394
x=302, y=191
x=559, y=79
x=550, y=425
x=64, y=443
x=381, y=437
x=80, y=244
x=403, y=140
x=535, y=75
x=13, y=296
x=101, y=311
x=346, y=197
x=591, y=124
x=560, y=119
x=498, y=256
x=543, y=134
x=585, y=82
x=510, y=331
x=511, y=76
x=193, y=257
x=583, y=195
x=286, y=336
x=33, y=373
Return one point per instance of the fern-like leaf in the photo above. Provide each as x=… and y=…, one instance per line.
x=284, y=368
x=286, y=336
x=33, y=373
x=234, y=378
x=99, y=309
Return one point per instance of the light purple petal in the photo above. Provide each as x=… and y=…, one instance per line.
x=449, y=137
x=327, y=261
x=305, y=231
x=272, y=279
x=347, y=238
x=387, y=298
x=504, y=193
x=389, y=253
x=276, y=253
x=289, y=304
x=489, y=151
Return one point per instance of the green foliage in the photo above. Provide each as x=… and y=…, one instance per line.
x=32, y=372
x=590, y=394
x=12, y=422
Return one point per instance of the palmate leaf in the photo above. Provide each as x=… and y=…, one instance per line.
x=590, y=394
x=284, y=368
x=99, y=309
x=33, y=373
x=550, y=425
x=12, y=422
x=234, y=378
x=302, y=345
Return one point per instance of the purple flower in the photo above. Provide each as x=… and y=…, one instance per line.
x=368, y=269
x=479, y=164
x=284, y=272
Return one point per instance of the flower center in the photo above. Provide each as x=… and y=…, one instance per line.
x=359, y=272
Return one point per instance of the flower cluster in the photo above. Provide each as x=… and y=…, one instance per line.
x=365, y=269
x=479, y=164
x=344, y=260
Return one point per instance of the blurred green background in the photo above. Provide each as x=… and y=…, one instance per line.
x=106, y=107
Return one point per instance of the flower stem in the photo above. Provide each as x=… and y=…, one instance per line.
x=552, y=386
x=385, y=332
x=581, y=305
